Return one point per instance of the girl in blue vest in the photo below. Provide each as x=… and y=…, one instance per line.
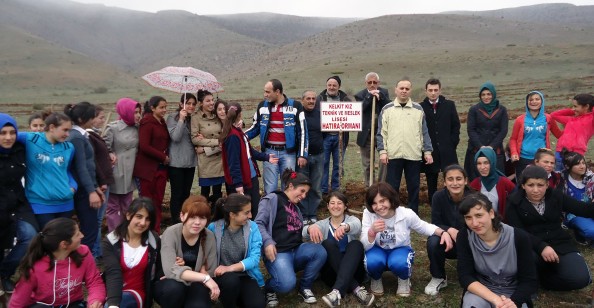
x=239, y=166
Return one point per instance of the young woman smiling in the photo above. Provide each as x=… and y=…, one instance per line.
x=206, y=128
x=130, y=256
x=239, y=245
x=281, y=225
x=344, y=269
x=386, y=237
x=444, y=214
x=495, y=266
x=491, y=181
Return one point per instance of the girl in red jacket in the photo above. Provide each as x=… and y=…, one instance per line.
x=55, y=269
x=152, y=158
x=579, y=127
x=531, y=132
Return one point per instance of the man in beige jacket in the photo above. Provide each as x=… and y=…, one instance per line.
x=403, y=140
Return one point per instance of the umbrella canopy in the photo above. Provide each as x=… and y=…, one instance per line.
x=183, y=79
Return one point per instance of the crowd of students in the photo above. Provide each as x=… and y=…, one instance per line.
x=72, y=162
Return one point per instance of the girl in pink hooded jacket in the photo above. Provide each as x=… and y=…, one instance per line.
x=579, y=127
x=55, y=268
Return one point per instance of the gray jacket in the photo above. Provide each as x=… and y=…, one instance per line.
x=181, y=149
x=171, y=247
x=324, y=225
x=122, y=140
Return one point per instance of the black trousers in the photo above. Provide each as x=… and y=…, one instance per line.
x=217, y=192
x=343, y=271
x=240, y=290
x=431, y=184
x=571, y=273
x=253, y=193
x=180, y=180
x=437, y=256
x=170, y=293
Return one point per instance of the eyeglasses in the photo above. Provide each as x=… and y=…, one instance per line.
x=372, y=82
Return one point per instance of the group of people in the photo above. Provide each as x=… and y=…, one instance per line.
x=74, y=162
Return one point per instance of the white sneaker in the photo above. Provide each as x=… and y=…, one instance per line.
x=435, y=285
x=308, y=296
x=377, y=287
x=332, y=299
x=403, y=287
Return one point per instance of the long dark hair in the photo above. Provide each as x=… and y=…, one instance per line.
x=47, y=241
x=233, y=112
x=138, y=204
x=232, y=204
x=187, y=96
x=80, y=113
x=478, y=199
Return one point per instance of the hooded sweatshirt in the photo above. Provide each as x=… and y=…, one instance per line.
x=531, y=133
x=61, y=285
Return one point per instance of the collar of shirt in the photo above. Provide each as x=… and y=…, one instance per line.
x=81, y=130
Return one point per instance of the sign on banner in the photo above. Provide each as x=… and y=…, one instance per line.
x=341, y=116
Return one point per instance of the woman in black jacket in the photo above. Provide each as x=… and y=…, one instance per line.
x=538, y=210
x=495, y=266
x=444, y=214
x=15, y=211
x=130, y=256
x=487, y=127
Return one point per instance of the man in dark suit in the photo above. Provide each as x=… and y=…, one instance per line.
x=444, y=129
x=382, y=98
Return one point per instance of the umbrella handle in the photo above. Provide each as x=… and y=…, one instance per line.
x=183, y=86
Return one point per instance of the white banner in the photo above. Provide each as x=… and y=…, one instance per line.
x=341, y=116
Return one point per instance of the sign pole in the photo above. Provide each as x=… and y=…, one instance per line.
x=372, y=150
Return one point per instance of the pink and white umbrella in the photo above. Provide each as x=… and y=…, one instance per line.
x=183, y=79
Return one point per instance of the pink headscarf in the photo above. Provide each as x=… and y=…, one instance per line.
x=126, y=108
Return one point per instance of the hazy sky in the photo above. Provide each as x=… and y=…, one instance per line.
x=326, y=8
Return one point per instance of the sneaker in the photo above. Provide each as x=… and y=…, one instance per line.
x=332, y=299
x=581, y=239
x=435, y=285
x=313, y=220
x=403, y=287
x=271, y=299
x=308, y=296
x=377, y=287
x=364, y=297
x=7, y=285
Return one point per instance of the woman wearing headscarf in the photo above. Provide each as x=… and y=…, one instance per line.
x=491, y=181
x=13, y=201
x=121, y=138
x=531, y=132
x=487, y=127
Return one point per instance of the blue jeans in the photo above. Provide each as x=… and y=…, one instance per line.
x=559, y=162
x=331, y=150
x=398, y=260
x=272, y=171
x=43, y=219
x=308, y=257
x=24, y=234
x=412, y=175
x=100, y=214
x=584, y=226
x=313, y=170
